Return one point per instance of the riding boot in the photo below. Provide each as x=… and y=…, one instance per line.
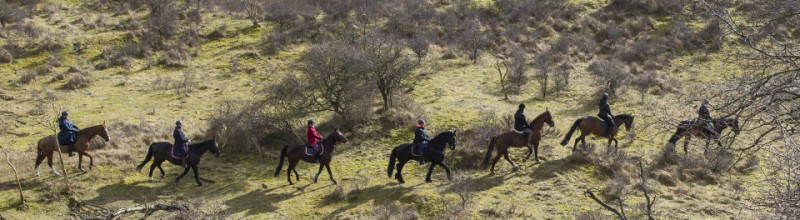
x=71, y=150
x=183, y=163
x=422, y=157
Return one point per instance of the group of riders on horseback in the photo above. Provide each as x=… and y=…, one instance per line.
x=529, y=133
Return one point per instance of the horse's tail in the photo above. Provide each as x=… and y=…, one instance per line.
x=571, y=130
x=492, y=144
x=392, y=161
x=146, y=158
x=280, y=164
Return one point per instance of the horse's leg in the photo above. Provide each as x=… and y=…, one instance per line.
x=152, y=167
x=80, y=162
x=496, y=158
x=185, y=171
x=446, y=170
x=530, y=152
x=296, y=176
x=158, y=164
x=505, y=155
x=196, y=175
x=430, y=170
x=328, y=166
x=608, y=146
x=50, y=163
x=536, y=151
x=91, y=159
x=686, y=144
x=39, y=159
x=318, y=172
x=292, y=163
x=399, y=175
x=577, y=140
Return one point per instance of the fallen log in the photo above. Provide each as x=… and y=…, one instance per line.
x=147, y=209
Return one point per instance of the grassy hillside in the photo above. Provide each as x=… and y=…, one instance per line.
x=140, y=101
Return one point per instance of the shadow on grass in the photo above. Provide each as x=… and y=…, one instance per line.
x=549, y=169
x=256, y=202
x=375, y=193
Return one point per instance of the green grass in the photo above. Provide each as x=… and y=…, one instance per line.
x=244, y=187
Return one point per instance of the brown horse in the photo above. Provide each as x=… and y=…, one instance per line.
x=297, y=152
x=46, y=146
x=513, y=139
x=689, y=128
x=593, y=125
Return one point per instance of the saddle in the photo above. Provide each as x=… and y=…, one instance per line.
x=176, y=154
x=415, y=149
x=311, y=152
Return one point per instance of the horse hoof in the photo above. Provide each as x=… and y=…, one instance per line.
x=335, y=183
x=428, y=180
x=401, y=182
x=200, y=185
x=151, y=179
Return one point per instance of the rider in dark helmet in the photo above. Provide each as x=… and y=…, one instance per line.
x=521, y=124
x=704, y=118
x=181, y=143
x=421, y=139
x=313, y=138
x=605, y=114
x=68, y=133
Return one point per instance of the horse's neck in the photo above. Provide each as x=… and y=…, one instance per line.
x=198, y=149
x=329, y=143
x=89, y=132
x=538, y=122
x=438, y=142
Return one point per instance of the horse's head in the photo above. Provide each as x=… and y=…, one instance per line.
x=627, y=120
x=452, y=140
x=338, y=136
x=548, y=118
x=214, y=147
x=104, y=132
x=732, y=123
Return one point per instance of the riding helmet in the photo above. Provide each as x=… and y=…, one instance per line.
x=178, y=123
x=64, y=113
x=421, y=121
x=310, y=122
x=605, y=95
x=522, y=106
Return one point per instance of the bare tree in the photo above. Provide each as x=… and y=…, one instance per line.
x=386, y=64
x=502, y=70
x=518, y=76
x=9, y=13
x=16, y=176
x=420, y=45
x=473, y=40
x=252, y=9
x=611, y=75
x=561, y=77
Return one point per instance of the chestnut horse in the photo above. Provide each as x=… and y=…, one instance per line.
x=687, y=129
x=297, y=152
x=593, y=125
x=46, y=146
x=513, y=139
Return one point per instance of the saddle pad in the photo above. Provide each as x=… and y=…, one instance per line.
x=174, y=154
x=310, y=150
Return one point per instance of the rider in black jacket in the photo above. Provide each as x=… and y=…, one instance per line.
x=605, y=114
x=521, y=123
x=704, y=118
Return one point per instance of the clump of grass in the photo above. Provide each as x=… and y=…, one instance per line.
x=391, y=210
x=5, y=56
x=26, y=78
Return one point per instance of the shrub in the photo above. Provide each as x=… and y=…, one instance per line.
x=26, y=78
x=473, y=142
x=5, y=56
x=611, y=75
x=80, y=80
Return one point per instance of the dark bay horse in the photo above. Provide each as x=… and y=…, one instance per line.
x=435, y=154
x=47, y=145
x=689, y=128
x=593, y=125
x=160, y=151
x=513, y=139
x=297, y=152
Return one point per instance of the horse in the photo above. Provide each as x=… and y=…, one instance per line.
x=435, y=154
x=160, y=151
x=689, y=128
x=46, y=146
x=297, y=152
x=513, y=139
x=593, y=125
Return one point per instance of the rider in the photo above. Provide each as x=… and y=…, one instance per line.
x=313, y=137
x=605, y=114
x=68, y=133
x=704, y=117
x=421, y=139
x=521, y=124
x=181, y=143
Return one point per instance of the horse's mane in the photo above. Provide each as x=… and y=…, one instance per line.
x=90, y=128
x=540, y=116
x=203, y=143
x=441, y=135
x=624, y=116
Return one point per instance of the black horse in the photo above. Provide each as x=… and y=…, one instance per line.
x=690, y=128
x=435, y=155
x=161, y=152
